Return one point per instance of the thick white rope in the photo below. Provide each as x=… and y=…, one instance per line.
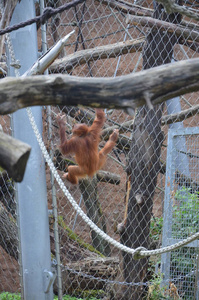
x=137, y=253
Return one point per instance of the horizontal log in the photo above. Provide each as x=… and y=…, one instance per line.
x=108, y=177
x=181, y=116
x=127, y=7
x=14, y=155
x=85, y=274
x=102, y=52
x=124, y=92
x=155, y=24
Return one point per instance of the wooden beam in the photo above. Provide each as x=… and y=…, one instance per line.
x=123, y=92
x=102, y=52
x=14, y=155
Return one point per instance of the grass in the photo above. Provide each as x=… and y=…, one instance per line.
x=9, y=296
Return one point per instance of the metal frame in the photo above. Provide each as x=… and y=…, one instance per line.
x=167, y=239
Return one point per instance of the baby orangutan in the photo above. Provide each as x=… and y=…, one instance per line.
x=84, y=144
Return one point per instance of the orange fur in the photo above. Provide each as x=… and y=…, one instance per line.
x=84, y=144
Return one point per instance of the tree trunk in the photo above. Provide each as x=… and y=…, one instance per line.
x=88, y=189
x=144, y=160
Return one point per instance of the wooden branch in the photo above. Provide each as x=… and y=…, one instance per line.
x=127, y=7
x=191, y=44
x=171, y=7
x=73, y=274
x=156, y=24
x=108, y=177
x=82, y=57
x=133, y=9
x=13, y=156
x=162, y=83
x=79, y=114
x=124, y=127
x=183, y=115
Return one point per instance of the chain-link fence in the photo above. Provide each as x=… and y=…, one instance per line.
x=126, y=199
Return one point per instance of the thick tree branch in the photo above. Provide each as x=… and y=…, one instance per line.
x=156, y=24
x=84, y=56
x=137, y=10
x=14, y=155
x=171, y=7
x=127, y=7
x=183, y=115
x=162, y=83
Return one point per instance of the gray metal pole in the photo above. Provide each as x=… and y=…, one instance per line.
x=31, y=193
x=182, y=162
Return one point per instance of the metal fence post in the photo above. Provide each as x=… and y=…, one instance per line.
x=31, y=193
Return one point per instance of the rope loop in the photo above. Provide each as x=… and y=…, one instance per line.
x=137, y=252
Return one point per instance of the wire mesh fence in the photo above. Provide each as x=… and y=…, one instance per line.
x=180, y=217
x=106, y=45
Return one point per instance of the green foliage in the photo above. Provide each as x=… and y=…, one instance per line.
x=89, y=294
x=67, y=297
x=185, y=223
x=185, y=213
x=9, y=296
x=155, y=291
x=156, y=228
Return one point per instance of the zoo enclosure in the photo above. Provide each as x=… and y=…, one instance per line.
x=98, y=25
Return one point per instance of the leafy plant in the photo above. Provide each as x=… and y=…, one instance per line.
x=156, y=228
x=156, y=291
x=185, y=213
x=185, y=223
x=9, y=296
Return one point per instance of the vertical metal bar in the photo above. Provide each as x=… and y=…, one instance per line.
x=32, y=193
x=174, y=106
x=54, y=200
x=167, y=216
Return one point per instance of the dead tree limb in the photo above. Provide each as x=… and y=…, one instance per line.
x=126, y=7
x=14, y=155
x=183, y=115
x=124, y=127
x=71, y=61
x=108, y=177
x=137, y=10
x=162, y=83
x=155, y=24
x=76, y=274
x=172, y=7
